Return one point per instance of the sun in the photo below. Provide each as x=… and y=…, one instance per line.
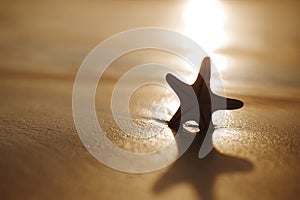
x=204, y=21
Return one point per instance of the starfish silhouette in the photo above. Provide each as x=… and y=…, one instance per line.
x=200, y=109
x=201, y=173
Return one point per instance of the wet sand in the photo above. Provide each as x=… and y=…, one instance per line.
x=257, y=150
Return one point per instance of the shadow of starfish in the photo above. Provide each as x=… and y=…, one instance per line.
x=201, y=173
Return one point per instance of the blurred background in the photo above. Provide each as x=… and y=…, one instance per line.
x=255, y=46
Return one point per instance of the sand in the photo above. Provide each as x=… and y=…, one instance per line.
x=256, y=154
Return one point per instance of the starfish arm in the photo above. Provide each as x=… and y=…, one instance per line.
x=233, y=104
x=203, y=75
x=189, y=109
x=174, y=123
x=222, y=103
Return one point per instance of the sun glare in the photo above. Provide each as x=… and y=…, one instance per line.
x=204, y=21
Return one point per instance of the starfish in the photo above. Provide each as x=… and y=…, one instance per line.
x=199, y=109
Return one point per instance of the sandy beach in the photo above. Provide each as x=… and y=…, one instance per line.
x=256, y=149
